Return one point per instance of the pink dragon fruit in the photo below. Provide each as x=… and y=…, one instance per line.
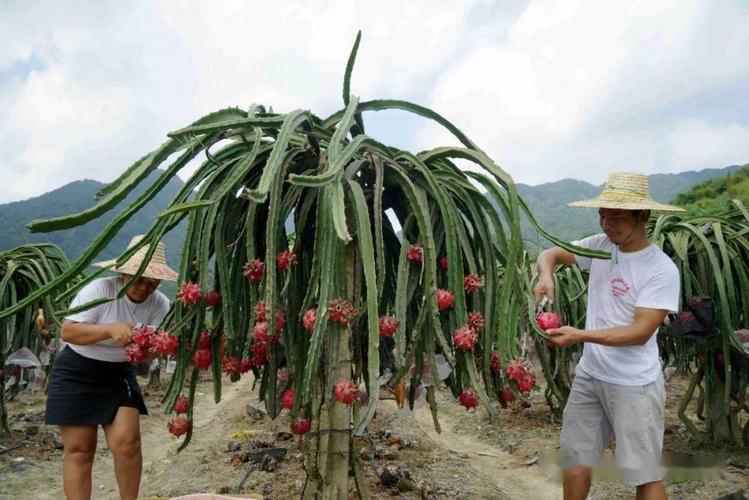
x=445, y=299
x=285, y=259
x=387, y=326
x=309, y=318
x=415, y=253
x=189, y=293
x=468, y=399
x=464, y=338
x=165, y=344
x=472, y=283
x=346, y=392
x=254, y=270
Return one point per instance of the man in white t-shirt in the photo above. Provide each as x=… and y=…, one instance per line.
x=92, y=383
x=618, y=387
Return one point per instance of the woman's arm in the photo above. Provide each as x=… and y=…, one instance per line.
x=90, y=333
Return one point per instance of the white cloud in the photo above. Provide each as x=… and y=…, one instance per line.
x=582, y=88
x=108, y=82
x=551, y=89
x=693, y=143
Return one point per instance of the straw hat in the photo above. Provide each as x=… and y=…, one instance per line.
x=628, y=191
x=156, y=269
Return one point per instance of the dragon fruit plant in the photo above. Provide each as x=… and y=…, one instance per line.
x=351, y=265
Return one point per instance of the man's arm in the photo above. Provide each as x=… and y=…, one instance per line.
x=547, y=261
x=645, y=323
x=91, y=333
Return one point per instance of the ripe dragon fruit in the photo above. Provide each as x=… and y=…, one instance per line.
x=526, y=383
x=254, y=270
x=341, y=311
x=464, y=338
x=445, y=299
x=415, y=253
x=165, y=344
x=548, y=320
x=468, y=399
x=202, y=358
x=260, y=311
x=245, y=365
x=443, y=263
x=212, y=298
x=288, y=398
x=181, y=405
x=260, y=332
x=516, y=370
x=178, y=426
x=135, y=353
x=280, y=320
x=230, y=365
x=345, y=392
x=205, y=340
x=259, y=349
x=495, y=362
x=472, y=283
x=309, y=318
x=476, y=321
x=301, y=426
x=142, y=336
x=507, y=395
x=189, y=293
x=387, y=326
x=285, y=259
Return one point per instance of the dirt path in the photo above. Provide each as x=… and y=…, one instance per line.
x=198, y=467
x=164, y=471
x=469, y=459
x=492, y=464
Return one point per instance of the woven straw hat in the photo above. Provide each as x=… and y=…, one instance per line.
x=628, y=191
x=156, y=269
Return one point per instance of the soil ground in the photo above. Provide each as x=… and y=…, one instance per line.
x=470, y=458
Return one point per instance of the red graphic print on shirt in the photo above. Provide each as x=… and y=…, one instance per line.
x=619, y=287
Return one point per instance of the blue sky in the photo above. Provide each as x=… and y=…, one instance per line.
x=549, y=88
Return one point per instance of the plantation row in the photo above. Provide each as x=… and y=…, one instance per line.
x=343, y=301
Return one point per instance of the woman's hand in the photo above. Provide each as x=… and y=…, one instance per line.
x=121, y=333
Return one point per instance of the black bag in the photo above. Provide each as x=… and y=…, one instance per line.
x=696, y=322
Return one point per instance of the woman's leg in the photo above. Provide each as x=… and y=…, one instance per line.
x=123, y=439
x=79, y=443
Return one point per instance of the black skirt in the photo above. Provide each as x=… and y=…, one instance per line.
x=85, y=391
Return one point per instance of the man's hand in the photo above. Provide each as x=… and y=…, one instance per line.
x=121, y=333
x=565, y=336
x=545, y=286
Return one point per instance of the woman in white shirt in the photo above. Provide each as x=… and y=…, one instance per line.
x=93, y=384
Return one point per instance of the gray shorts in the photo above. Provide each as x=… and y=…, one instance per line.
x=634, y=415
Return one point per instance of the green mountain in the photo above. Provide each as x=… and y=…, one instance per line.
x=549, y=202
x=713, y=196
x=78, y=196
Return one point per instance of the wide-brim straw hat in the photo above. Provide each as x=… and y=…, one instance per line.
x=627, y=191
x=156, y=268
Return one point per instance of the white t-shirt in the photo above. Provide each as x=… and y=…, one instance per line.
x=149, y=312
x=648, y=279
